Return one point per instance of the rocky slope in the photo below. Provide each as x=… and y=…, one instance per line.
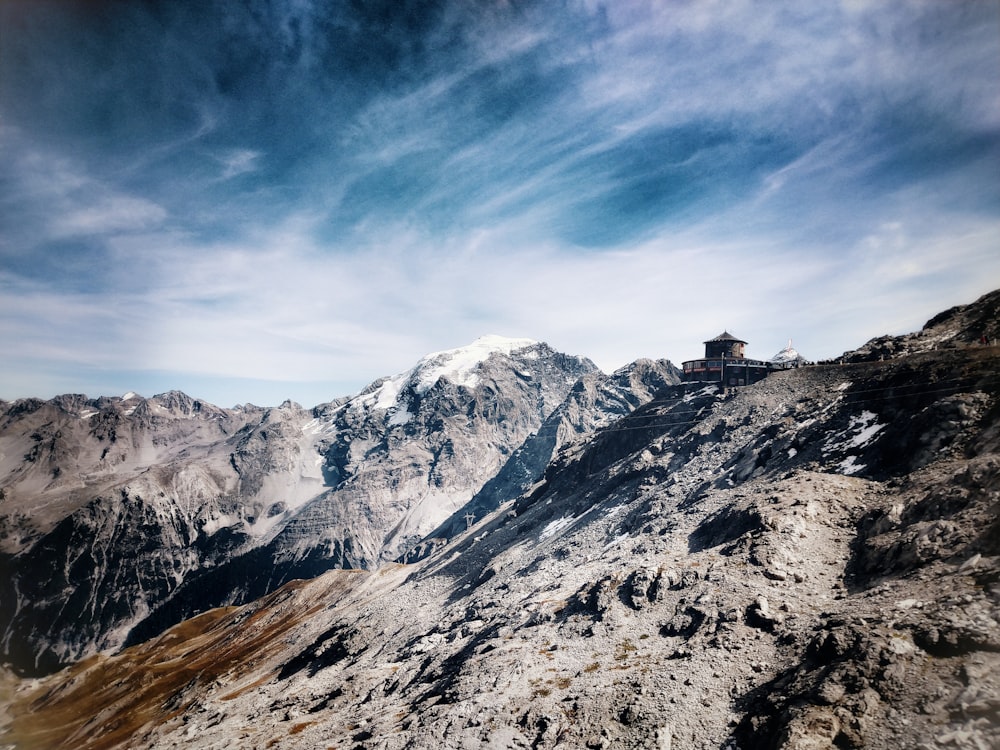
x=121, y=516
x=402, y=457
x=959, y=326
x=595, y=401
x=811, y=562
x=104, y=511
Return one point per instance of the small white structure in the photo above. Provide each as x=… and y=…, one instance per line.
x=787, y=358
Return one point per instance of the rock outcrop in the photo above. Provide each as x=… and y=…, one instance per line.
x=109, y=504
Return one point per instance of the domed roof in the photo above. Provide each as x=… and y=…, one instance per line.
x=725, y=336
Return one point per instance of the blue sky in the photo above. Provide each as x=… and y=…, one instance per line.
x=265, y=200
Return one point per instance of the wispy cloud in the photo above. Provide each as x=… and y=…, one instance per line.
x=63, y=198
x=109, y=215
x=238, y=161
x=297, y=193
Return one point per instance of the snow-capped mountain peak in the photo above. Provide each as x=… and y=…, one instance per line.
x=458, y=365
x=242, y=501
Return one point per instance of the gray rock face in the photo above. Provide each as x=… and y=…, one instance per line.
x=122, y=516
x=397, y=460
x=811, y=561
x=108, y=505
x=596, y=400
x=418, y=446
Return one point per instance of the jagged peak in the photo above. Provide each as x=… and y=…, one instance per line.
x=641, y=364
x=459, y=366
x=181, y=403
x=478, y=351
x=166, y=395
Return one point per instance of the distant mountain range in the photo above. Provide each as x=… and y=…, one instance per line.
x=122, y=516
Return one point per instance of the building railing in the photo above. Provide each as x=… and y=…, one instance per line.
x=716, y=364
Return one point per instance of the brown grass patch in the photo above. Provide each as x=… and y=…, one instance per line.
x=101, y=702
x=246, y=688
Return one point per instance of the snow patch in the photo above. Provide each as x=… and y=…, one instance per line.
x=708, y=390
x=319, y=426
x=850, y=466
x=554, y=527
x=387, y=394
x=859, y=433
x=458, y=366
x=400, y=417
x=867, y=426
x=215, y=523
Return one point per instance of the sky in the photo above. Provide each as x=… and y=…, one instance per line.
x=269, y=199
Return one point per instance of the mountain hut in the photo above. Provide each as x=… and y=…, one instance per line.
x=724, y=362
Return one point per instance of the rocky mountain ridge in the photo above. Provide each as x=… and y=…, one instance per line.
x=809, y=562
x=122, y=516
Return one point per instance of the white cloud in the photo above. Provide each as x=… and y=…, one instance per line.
x=282, y=308
x=107, y=214
x=70, y=201
x=794, y=249
x=237, y=161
